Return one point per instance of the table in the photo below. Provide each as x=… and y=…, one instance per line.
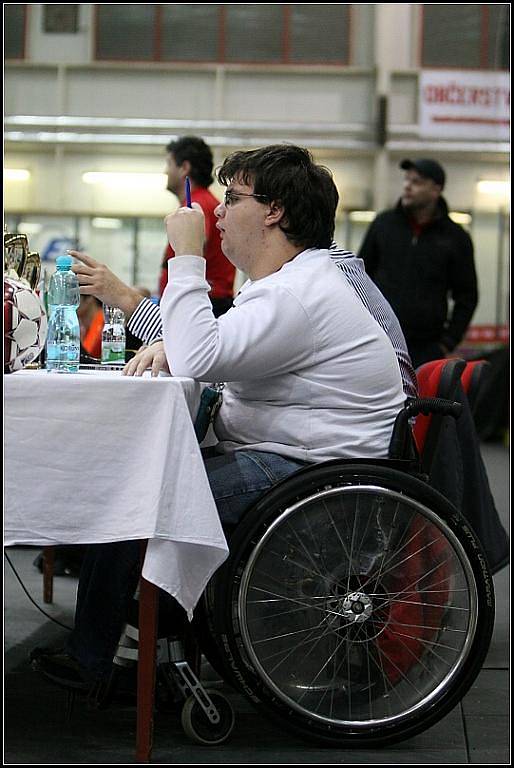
x=99, y=457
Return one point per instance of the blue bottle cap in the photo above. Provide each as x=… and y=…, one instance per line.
x=63, y=262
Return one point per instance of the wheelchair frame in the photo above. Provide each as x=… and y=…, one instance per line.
x=385, y=637
x=389, y=604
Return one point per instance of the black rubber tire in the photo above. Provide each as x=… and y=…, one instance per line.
x=197, y=725
x=224, y=594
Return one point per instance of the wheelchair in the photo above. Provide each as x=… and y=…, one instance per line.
x=356, y=606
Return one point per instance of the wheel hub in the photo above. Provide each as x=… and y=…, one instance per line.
x=356, y=607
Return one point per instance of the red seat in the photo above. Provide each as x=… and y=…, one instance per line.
x=437, y=378
x=473, y=377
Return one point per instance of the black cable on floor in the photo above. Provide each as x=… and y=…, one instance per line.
x=30, y=597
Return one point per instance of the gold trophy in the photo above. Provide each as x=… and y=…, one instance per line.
x=19, y=262
x=32, y=269
x=25, y=321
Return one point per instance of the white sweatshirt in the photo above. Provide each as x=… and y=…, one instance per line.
x=310, y=373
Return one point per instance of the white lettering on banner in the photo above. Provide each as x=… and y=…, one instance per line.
x=464, y=105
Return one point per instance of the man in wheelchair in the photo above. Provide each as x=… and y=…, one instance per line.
x=310, y=375
x=350, y=601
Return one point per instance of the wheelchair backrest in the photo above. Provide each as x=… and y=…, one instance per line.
x=437, y=384
x=436, y=379
x=472, y=379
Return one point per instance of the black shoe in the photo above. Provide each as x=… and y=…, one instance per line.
x=59, y=568
x=67, y=560
x=61, y=668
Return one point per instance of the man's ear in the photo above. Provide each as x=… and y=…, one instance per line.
x=275, y=215
x=186, y=168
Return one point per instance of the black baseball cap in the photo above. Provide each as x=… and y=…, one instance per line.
x=430, y=169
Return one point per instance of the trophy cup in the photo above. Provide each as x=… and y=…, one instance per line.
x=25, y=320
x=16, y=249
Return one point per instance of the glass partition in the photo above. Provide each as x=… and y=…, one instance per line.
x=133, y=248
x=49, y=235
x=151, y=245
x=111, y=241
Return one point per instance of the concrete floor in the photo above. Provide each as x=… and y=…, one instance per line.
x=37, y=732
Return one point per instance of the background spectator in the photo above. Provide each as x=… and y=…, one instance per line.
x=419, y=258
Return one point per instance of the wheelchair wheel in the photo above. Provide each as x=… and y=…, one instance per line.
x=197, y=725
x=356, y=607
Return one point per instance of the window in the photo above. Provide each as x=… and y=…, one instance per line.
x=498, y=38
x=125, y=32
x=254, y=32
x=231, y=32
x=311, y=30
x=14, y=30
x=62, y=19
x=190, y=32
x=466, y=36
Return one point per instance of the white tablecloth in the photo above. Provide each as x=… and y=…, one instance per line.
x=100, y=457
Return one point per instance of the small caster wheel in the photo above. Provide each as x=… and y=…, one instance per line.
x=197, y=725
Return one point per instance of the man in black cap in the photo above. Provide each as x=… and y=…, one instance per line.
x=420, y=258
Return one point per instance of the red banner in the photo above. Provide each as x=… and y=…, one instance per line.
x=489, y=334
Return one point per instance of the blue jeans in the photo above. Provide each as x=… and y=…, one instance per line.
x=110, y=572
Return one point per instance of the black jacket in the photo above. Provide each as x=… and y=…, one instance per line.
x=459, y=473
x=417, y=275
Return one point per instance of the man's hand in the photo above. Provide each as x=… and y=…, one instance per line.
x=98, y=280
x=153, y=357
x=186, y=231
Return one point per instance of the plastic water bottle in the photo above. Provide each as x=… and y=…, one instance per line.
x=63, y=340
x=113, y=336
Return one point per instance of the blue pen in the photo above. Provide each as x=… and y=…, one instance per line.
x=188, y=192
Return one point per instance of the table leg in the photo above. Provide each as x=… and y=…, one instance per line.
x=48, y=573
x=148, y=600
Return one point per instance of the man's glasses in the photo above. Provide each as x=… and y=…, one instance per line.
x=231, y=197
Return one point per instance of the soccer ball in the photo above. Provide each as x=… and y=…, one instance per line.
x=25, y=325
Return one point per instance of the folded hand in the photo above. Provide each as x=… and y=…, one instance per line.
x=153, y=357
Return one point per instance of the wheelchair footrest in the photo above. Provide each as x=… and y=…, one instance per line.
x=127, y=650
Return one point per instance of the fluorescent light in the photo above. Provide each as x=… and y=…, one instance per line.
x=490, y=187
x=103, y=223
x=16, y=174
x=362, y=215
x=460, y=218
x=121, y=179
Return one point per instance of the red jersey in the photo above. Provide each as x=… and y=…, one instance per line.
x=92, y=341
x=219, y=271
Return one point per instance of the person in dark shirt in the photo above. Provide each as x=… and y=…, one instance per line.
x=419, y=258
x=190, y=156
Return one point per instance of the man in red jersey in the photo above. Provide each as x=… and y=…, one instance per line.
x=190, y=156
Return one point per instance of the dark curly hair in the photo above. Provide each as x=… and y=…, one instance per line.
x=198, y=153
x=287, y=175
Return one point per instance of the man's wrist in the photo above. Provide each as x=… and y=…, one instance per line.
x=128, y=302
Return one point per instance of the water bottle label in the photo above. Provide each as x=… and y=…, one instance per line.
x=72, y=350
x=69, y=352
x=113, y=353
x=63, y=358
